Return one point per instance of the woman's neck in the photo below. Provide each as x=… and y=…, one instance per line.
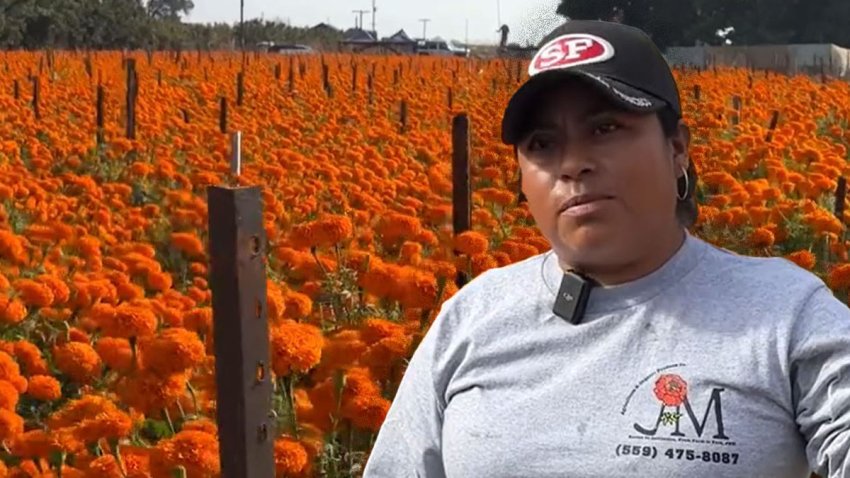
x=643, y=265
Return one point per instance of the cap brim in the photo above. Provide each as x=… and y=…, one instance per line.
x=524, y=99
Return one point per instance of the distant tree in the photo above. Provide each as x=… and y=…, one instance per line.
x=684, y=22
x=169, y=9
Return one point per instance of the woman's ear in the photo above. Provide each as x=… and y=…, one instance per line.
x=681, y=140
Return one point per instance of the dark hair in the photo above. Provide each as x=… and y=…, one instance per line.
x=687, y=209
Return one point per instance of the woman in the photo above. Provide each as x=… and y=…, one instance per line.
x=632, y=348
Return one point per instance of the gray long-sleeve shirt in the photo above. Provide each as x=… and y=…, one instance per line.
x=715, y=365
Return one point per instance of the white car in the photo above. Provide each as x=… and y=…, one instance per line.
x=291, y=49
x=433, y=48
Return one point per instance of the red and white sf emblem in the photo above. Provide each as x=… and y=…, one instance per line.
x=570, y=50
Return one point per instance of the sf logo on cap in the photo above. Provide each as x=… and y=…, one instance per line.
x=570, y=50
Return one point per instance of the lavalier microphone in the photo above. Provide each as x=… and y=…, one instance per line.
x=573, y=296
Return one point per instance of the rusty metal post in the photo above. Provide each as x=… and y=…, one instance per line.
x=840, y=198
x=222, y=115
x=36, y=96
x=736, y=105
x=402, y=117
x=774, y=119
x=291, y=75
x=461, y=188
x=240, y=88
x=131, y=98
x=243, y=372
x=99, y=115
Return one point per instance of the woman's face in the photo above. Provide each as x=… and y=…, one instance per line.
x=601, y=182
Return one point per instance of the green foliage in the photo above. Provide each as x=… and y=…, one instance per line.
x=136, y=24
x=683, y=23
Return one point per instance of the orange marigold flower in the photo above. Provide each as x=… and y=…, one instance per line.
x=159, y=281
x=29, y=355
x=196, y=451
x=61, y=291
x=36, y=444
x=297, y=305
x=374, y=329
x=105, y=466
x=761, y=238
x=483, y=262
x=8, y=396
x=188, y=243
x=839, y=277
x=362, y=401
x=9, y=368
x=12, y=311
x=385, y=354
x=324, y=232
x=115, y=352
x=110, y=424
x=173, y=350
x=199, y=320
x=295, y=347
x=44, y=387
x=202, y=425
x=11, y=425
x=79, y=361
x=395, y=228
x=290, y=457
x=805, y=259
x=12, y=248
x=418, y=290
x=471, y=242
x=128, y=321
x=33, y=293
x=149, y=392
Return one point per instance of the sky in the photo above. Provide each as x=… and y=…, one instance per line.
x=528, y=20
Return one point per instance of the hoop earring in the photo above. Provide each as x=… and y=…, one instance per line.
x=684, y=196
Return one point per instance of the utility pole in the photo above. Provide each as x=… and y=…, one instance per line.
x=466, y=38
x=374, y=9
x=360, y=12
x=424, y=24
x=242, y=24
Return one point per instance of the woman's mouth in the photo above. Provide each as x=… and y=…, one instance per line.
x=583, y=204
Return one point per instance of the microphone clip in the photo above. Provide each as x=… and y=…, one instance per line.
x=573, y=295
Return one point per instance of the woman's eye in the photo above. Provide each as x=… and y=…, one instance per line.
x=539, y=143
x=606, y=128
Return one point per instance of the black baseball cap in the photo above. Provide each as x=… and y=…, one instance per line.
x=620, y=61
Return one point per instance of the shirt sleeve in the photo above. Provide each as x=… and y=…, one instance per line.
x=409, y=441
x=820, y=380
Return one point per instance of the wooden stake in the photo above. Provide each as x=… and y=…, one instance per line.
x=243, y=373
x=461, y=187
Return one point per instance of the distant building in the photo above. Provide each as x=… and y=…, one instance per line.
x=357, y=40
x=359, y=35
x=324, y=28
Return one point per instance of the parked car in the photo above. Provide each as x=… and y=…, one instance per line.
x=433, y=48
x=291, y=49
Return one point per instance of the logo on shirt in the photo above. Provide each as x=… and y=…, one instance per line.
x=672, y=410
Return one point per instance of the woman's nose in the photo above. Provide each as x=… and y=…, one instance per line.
x=575, y=163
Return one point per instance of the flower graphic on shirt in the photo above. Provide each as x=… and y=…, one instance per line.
x=671, y=390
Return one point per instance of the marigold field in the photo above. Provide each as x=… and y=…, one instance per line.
x=106, y=358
